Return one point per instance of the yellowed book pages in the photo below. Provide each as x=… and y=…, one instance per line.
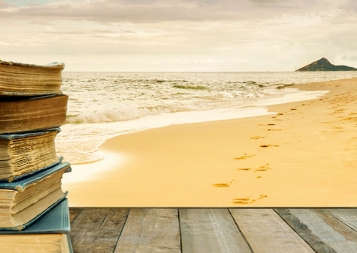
x=20, y=115
x=35, y=243
x=22, y=154
x=19, y=79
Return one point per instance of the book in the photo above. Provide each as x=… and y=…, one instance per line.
x=20, y=79
x=20, y=114
x=22, y=154
x=24, y=201
x=36, y=243
x=50, y=233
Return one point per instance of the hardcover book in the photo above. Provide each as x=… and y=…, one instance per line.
x=19, y=79
x=20, y=114
x=50, y=233
x=25, y=153
x=24, y=201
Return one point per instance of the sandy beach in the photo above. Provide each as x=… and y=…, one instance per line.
x=303, y=155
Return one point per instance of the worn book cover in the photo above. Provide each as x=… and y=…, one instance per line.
x=21, y=79
x=22, y=154
x=24, y=201
x=19, y=114
x=54, y=220
x=53, y=228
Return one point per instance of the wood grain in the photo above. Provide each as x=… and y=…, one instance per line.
x=325, y=228
x=266, y=232
x=213, y=230
x=97, y=229
x=210, y=230
x=73, y=212
x=150, y=230
x=347, y=216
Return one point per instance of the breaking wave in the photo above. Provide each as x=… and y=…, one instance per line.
x=120, y=114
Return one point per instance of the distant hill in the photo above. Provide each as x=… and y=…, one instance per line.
x=324, y=65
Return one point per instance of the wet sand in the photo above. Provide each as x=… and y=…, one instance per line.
x=305, y=155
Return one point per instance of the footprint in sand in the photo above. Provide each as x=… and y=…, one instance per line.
x=268, y=145
x=248, y=200
x=350, y=118
x=270, y=124
x=274, y=129
x=242, y=201
x=257, y=137
x=245, y=169
x=263, y=168
x=224, y=184
x=339, y=110
x=245, y=156
x=221, y=185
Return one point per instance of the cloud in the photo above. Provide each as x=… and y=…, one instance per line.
x=268, y=34
x=169, y=10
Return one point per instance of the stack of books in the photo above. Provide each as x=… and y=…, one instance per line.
x=34, y=214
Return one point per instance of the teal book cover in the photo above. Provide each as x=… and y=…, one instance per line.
x=55, y=220
x=12, y=136
x=38, y=200
x=23, y=183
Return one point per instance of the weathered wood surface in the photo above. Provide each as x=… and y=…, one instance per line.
x=150, y=230
x=97, y=229
x=114, y=230
x=266, y=232
x=210, y=230
x=323, y=231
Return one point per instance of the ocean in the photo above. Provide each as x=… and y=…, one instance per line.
x=104, y=105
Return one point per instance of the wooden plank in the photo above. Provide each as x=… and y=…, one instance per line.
x=265, y=231
x=150, y=230
x=73, y=212
x=347, y=216
x=321, y=230
x=97, y=229
x=304, y=231
x=210, y=230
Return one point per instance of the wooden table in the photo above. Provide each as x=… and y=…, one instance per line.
x=213, y=230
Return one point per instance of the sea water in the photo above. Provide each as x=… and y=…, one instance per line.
x=104, y=105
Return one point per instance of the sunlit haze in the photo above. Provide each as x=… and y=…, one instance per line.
x=179, y=35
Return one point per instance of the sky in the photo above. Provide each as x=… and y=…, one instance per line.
x=179, y=35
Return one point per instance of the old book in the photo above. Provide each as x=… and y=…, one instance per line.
x=19, y=79
x=22, y=154
x=24, y=201
x=20, y=114
x=36, y=243
x=50, y=233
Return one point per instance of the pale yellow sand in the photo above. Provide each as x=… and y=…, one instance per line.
x=305, y=155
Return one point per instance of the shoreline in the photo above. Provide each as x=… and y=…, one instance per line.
x=302, y=156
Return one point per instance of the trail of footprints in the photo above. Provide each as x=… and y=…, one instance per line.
x=272, y=127
x=257, y=170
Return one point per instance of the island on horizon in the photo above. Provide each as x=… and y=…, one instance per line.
x=324, y=65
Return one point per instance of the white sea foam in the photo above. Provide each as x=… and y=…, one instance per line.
x=104, y=105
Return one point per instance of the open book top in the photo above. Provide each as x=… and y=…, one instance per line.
x=53, y=65
x=23, y=79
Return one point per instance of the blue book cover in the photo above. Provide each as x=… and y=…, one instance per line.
x=12, y=136
x=21, y=184
x=38, y=205
x=55, y=220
